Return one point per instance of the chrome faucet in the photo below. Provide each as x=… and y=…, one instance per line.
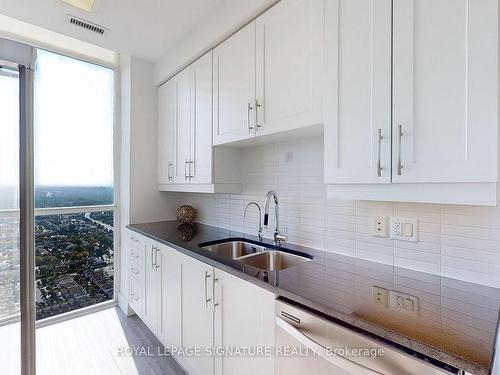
x=259, y=233
x=278, y=237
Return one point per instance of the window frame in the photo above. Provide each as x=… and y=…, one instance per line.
x=114, y=207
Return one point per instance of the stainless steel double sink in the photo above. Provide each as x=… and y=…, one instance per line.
x=261, y=257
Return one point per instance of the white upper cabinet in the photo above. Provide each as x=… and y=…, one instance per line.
x=186, y=155
x=200, y=167
x=445, y=91
x=268, y=76
x=183, y=128
x=358, y=91
x=289, y=62
x=441, y=145
x=234, y=87
x=167, y=96
x=174, y=129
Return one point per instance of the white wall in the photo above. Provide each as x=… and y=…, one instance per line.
x=140, y=200
x=139, y=150
x=462, y=242
x=221, y=23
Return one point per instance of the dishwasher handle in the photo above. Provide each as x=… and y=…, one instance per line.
x=339, y=361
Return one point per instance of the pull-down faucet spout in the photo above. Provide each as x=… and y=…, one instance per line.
x=278, y=237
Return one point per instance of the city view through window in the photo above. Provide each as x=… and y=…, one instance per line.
x=73, y=188
x=74, y=252
x=74, y=255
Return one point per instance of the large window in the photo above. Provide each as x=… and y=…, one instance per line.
x=9, y=195
x=73, y=184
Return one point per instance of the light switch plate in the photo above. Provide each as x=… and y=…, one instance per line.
x=404, y=229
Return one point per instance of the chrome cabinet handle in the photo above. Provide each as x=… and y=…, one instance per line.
x=134, y=239
x=400, y=135
x=185, y=170
x=379, y=141
x=169, y=170
x=156, y=258
x=215, y=279
x=191, y=175
x=257, y=106
x=133, y=270
x=134, y=255
x=207, y=300
x=249, y=108
x=153, y=260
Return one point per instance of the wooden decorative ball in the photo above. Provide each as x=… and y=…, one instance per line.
x=186, y=214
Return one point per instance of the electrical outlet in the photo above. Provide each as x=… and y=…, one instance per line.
x=380, y=296
x=404, y=229
x=403, y=302
x=398, y=302
x=380, y=226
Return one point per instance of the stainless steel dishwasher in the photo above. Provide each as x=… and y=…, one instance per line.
x=309, y=344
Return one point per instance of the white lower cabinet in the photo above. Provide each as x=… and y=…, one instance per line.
x=191, y=305
x=152, y=287
x=244, y=318
x=197, y=316
x=171, y=298
x=134, y=248
x=136, y=297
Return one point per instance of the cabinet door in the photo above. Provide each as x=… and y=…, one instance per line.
x=244, y=317
x=358, y=91
x=183, y=126
x=201, y=124
x=234, y=87
x=289, y=65
x=167, y=114
x=171, y=313
x=445, y=91
x=197, y=314
x=152, y=288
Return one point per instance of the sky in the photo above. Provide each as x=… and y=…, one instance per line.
x=9, y=130
x=73, y=114
x=73, y=122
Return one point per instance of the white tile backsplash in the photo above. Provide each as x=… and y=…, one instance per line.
x=462, y=242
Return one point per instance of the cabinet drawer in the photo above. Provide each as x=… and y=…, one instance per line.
x=135, y=240
x=136, y=297
x=136, y=255
x=136, y=271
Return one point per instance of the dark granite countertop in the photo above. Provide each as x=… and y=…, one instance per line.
x=456, y=323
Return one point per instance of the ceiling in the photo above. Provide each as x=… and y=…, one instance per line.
x=142, y=28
